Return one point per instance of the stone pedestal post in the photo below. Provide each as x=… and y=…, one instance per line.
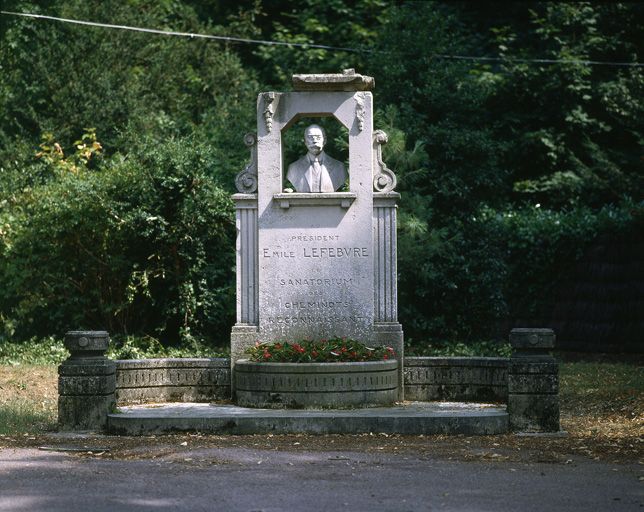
x=533, y=382
x=86, y=382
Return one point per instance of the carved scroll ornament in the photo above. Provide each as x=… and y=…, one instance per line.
x=246, y=180
x=360, y=109
x=269, y=110
x=384, y=179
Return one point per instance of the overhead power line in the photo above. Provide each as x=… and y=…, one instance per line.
x=181, y=34
x=315, y=46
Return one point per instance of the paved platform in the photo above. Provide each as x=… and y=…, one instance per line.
x=407, y=418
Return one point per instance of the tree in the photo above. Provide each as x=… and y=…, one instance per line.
x=139, y=239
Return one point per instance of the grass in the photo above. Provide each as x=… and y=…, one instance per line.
x=602, y=404
x=28, y=399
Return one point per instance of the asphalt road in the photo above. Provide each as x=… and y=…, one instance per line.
x=246, y=479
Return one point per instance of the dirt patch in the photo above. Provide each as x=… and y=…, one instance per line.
x=505, y=448
x=34, y=383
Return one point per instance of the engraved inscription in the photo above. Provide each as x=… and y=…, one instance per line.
x=267, y=253
x=315, y=278
x=310, y=319
x=322, y=304
x=318, y=252
x=314, y=238
x=316, y=282
x=335, y=252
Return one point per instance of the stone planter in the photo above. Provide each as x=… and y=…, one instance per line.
x=316, y=385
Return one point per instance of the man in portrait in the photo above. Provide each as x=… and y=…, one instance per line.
x=316, y=171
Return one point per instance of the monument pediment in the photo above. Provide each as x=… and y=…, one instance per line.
x=348, y=80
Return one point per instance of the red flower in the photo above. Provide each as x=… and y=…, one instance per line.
x=328, y=350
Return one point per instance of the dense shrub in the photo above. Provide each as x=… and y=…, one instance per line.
x=143, y=244
x=470, y=280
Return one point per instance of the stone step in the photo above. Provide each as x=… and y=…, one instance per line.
x=408, y=418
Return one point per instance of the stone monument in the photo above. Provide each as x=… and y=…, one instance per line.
x=317, y=264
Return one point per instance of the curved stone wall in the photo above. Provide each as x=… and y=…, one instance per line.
x=459, y=379
x=293, y=385
x=456, y=379
x=172, y=380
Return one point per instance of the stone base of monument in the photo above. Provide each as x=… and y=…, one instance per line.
x=187, y=380
x=411, y=418
x=316, y=385
x=91, y=386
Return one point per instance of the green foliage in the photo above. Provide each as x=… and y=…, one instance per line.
x=64, y=77
x=441, y=105
x=128, y=227
x=50, y=351
x=142, y=245
x=34, y=351
x=463, y=281
x=133, y=233
x=459, y=349
x=131, y=347
x=577, y=129
x=85, y=148
x=474, y=141
x=541, y=246
x=333, y=350
x=337, y=23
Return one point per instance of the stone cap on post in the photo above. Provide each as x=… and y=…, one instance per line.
x=346, y=81
x=532, y=341
x=84, y=344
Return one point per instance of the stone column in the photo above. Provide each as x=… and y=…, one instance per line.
x=387, y=330
x=247, y=292
x=244, y=332
x=533, y=382
x=385, y=257
x=86, y=382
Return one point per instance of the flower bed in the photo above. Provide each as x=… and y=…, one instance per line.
x=333, y=350
x=337, y=373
